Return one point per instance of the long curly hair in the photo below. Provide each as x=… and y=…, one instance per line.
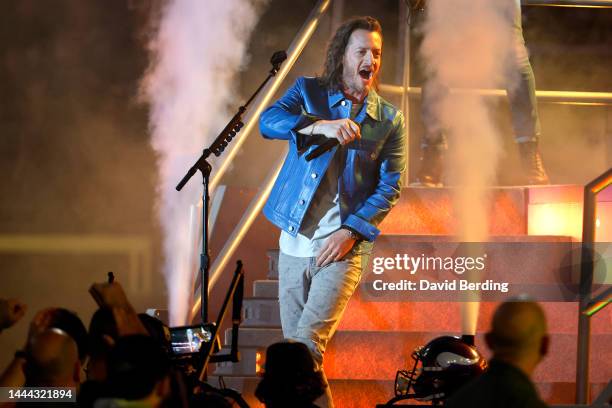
x=332, y=69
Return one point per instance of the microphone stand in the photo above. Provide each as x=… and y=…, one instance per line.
x=217, y=147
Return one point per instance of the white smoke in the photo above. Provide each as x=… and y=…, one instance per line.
x=196, y=52
x=466, y=46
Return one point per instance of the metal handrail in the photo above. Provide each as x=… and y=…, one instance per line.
x=599, y=302
x=570, y=97
x=586, y=310
x=294, y=51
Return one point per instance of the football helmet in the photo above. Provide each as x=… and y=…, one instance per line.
x=440, y=367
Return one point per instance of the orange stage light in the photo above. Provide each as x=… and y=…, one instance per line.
x=555, y=219
x=258, y=363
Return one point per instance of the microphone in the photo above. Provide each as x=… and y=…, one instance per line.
x=322, y=148
x=278, y=58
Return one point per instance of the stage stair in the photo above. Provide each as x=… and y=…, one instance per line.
x=376, y=338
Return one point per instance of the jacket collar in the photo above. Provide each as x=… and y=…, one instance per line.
x=372, y=101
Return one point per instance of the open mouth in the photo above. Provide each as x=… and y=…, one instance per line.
x=365, y=73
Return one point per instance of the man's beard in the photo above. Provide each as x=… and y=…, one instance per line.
x=356, y=85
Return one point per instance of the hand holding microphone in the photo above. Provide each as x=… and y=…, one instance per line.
x=339, y=131
x=343, y=130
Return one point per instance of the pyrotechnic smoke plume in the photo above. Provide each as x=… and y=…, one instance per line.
x=195, y=53
x=466, y=43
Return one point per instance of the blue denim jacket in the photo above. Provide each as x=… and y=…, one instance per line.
x=371, y=168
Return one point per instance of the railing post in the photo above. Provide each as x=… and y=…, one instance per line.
x=608, y=134
x=586, y=283
x=404, y=62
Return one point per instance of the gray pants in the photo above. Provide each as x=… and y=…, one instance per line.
x=313, y=299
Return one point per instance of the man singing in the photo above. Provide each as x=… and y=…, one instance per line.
x=328, y=208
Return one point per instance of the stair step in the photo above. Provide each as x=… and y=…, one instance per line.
x=538, y=266
x=362, y=314
x=254, y=336
x=368, y=393
x=542, y=267
x=265, y=288
x=260, y=312
x=383, y=353
x=519, y=210
x=423, y=210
